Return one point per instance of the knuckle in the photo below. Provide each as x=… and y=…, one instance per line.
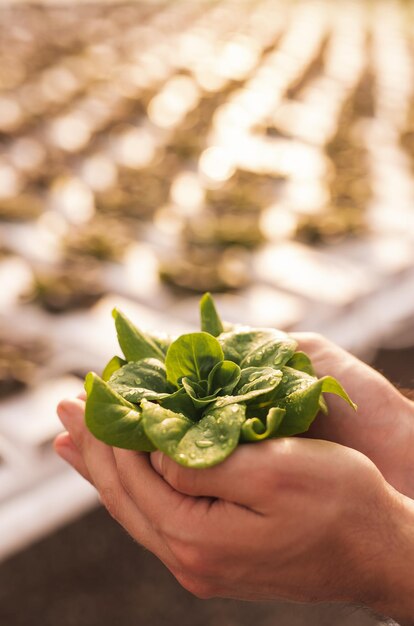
x=284, y=449
x=282, y=464
x=192, y=560
x=199, y=588
x=110, y=501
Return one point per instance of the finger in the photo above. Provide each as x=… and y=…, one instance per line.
x=330, y=359
x=66, y=449
x=97, y=456
x=152, y=495
x=100, y=463
x=240, y=479
x=255, y=470
x=357, y=377
x=71, y=413
x=327, y=357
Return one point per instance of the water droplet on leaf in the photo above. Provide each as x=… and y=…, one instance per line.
x=204, y=443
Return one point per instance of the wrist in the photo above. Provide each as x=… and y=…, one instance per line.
x=392, y=591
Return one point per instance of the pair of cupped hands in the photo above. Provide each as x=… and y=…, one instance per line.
x=326, y=517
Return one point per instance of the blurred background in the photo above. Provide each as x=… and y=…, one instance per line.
x=150, y=151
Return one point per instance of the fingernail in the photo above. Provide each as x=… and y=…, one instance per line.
x=157, y=459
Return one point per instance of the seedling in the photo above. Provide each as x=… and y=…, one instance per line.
x=197, y=397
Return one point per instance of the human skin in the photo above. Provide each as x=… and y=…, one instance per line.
x=314, y=520
x=383, y=426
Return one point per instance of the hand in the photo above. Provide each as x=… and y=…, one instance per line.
x=383, y=426
x=292, y=518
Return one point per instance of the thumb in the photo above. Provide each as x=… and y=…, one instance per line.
x=243, y=478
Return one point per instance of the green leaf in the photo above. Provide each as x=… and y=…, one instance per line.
x=197, y=393
x=217, y=387
x=256, y=387
x=300, y=361
x=112, y=419
x=331, y=385
x=256, y=381
x=301, y=399
x=257, y=347
x=112, y=366
x=141, y=379
x=210, y=319
x=135, y=344
x=200, y=444
x=224, y=377
x=180, y=402
x=254, y=429
x=193, y=355
x=198, y=389
x=165, y=428
x=162, y=341
x=323, y=406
